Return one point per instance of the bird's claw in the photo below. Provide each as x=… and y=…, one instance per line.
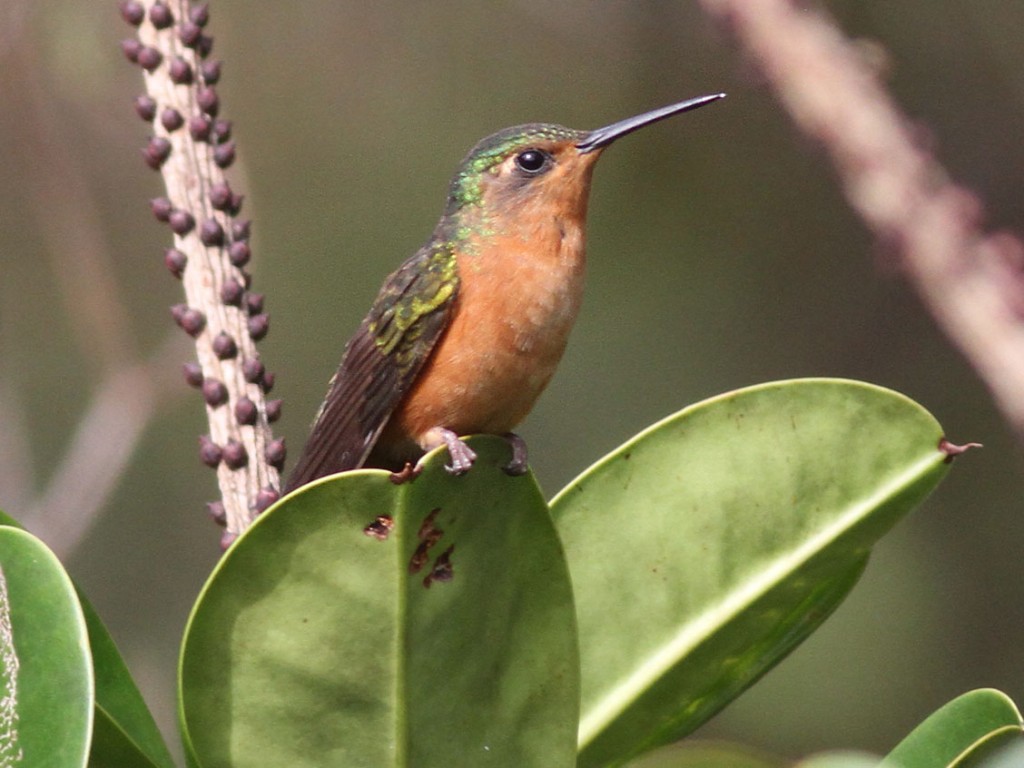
x=518, y=464
x=462, y=457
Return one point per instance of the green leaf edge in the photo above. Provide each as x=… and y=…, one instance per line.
x=98, y=635
x=18, y=532
x=153, y=750
x=915, y=473
x=432, y=460
x=920, y=733
x=627, y=446
x=191, y=758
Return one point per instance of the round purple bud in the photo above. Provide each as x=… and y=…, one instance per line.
x=231, y=292
x=171, y=119
x=208, y=100
x=200, y=14
x=145, y=108
x=211, y=233
x=161, y=208
x=274, y=410
x=265, y=497
x=222, y=130
x=235, y=455
x=254, y=303
x=209, y=452
x=181, y=222
x=211, y=71
x=217, y=513
x=224, y=154
x=192, y=321
x=193, y=374
x=245, y=411
x=240, y=230
x=180, y=71
x=239, y=254
x=214, y=393
x=258, y=326
x=160, y=15
x=220, y=195
x=189, y=33
x=276, y=453
x=131, y=47
x=175, y=261
x=132, y=11
x=224, y=347
x=253, y=371
x=199, y=127
x=156, y=152
x=149, y=58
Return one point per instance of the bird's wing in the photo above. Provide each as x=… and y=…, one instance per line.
x=380, y=364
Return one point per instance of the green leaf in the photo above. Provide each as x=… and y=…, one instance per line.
x=313, y=644
x=966, y=729
x=46, y=682
x=124, y=732
x=709, y=546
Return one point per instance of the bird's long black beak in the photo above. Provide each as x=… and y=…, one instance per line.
x=602, y=137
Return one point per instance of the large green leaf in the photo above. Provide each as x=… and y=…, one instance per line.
x=315, y=644
x=709, y=546
x=46, y=682
x=965, y=731
x=124, y=732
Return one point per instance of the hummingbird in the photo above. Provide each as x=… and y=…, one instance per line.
x=464, y=336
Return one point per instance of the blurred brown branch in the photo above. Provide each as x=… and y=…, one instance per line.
x=972, y=282
x=121, y=407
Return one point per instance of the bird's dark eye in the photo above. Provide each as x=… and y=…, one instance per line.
x=532, y=161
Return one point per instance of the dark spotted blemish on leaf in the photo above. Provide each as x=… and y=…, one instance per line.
x=442, y=570
x=419, y=557
x=627, y=455
x=380, y=528
x=429, y=535
x=427, y=532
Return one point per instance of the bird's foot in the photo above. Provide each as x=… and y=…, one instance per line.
x=462, y=455
x=518, y=464
x=409, y=472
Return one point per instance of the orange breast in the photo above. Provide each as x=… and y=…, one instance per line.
x=518, y=298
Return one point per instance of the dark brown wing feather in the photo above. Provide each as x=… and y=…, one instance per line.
x=380, y=364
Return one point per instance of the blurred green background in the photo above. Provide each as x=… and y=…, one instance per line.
x=721, y=254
